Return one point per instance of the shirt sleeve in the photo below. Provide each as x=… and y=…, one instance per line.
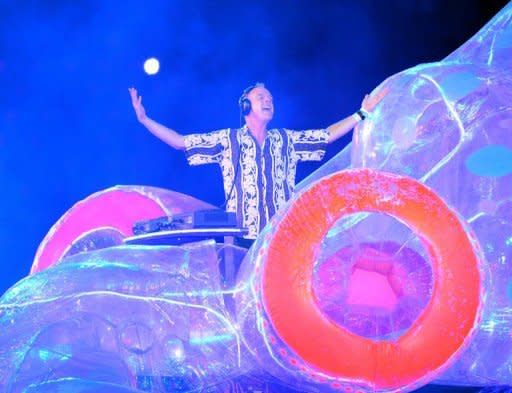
x=309, y=145
x=206, y=148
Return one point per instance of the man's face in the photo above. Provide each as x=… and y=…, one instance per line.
x=262, y=106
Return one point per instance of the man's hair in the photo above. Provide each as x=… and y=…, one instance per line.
x=248, y=89
x=243, y=102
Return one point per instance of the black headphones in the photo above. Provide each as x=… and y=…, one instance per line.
x=243, y=101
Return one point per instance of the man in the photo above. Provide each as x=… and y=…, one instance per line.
x=258, y=164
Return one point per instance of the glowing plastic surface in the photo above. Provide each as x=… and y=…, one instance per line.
x=131, y=316
x=105, y=218
x=352, y=287
x=448, y=125
x=294, y=337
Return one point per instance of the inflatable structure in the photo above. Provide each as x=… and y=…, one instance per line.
x=389, y=268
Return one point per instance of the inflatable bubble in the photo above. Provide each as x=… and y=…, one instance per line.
x=388, y=269
x=105, y=218
x=382, y=348
x=447, y=125
x=125, y=316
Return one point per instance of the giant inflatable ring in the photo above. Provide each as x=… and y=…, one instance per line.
x=115, y=209
x=445, y=324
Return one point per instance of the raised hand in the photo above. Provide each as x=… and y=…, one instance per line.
x=137, y=104
x=371, y=101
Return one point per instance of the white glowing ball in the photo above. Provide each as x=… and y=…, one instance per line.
x=151, y=66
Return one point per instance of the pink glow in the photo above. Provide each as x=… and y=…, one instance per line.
x=114, y=208
x=368, y=288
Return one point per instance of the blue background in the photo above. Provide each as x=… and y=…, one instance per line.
x=67, y=128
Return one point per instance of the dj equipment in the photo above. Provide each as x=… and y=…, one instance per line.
x=210, y=218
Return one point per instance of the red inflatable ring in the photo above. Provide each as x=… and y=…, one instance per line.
x=443, y=327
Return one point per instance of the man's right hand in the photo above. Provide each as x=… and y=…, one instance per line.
x=168, y=135
x=137, y=104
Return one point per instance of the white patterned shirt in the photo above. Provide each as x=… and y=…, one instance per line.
x=264, y=175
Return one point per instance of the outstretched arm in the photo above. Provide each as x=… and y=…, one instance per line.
x=169, y=136
x=342, y=127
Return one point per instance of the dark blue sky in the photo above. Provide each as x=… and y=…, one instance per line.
x=66, y=124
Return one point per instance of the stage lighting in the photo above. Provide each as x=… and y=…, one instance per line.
x=151, y=66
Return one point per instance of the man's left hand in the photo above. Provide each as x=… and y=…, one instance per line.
x=371, y=101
